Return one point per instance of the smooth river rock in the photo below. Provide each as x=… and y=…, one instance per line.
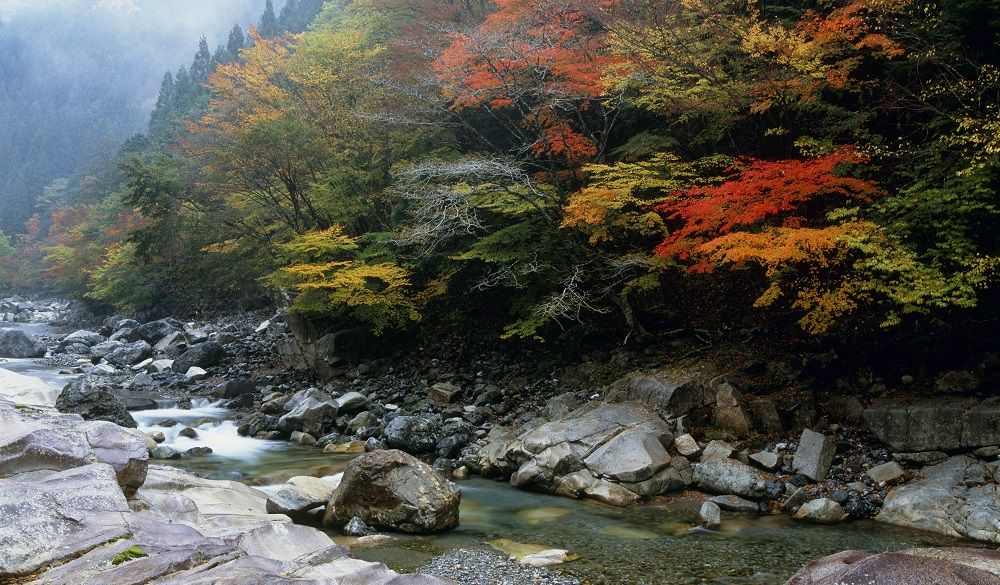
x=27, y=390
x=921, y=566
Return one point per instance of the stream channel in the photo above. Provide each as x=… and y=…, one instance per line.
x=650, y=544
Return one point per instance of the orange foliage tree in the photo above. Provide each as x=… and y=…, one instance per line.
x=536, y=69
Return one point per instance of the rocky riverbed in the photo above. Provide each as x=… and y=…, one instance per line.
x=696, y=460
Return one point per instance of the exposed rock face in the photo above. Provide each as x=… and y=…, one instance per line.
x=959, y=497
x=203, y=355
x=52, y=519
x=15, y=343
x=935, y=424
x=921, y=566
x=93, y=401
x=615, y=453
x=393, y=490
x=46, y=440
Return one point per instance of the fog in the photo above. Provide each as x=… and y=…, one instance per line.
x=79, y=76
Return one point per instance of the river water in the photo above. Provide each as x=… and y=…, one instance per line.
x=651, y=544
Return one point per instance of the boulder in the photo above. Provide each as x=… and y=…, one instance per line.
x=889, y=473
x=392, y=490
x=710, y=516
x=82, y=337
x=17, y=344
x=733, y=503
x=351, y=402
x=615, y=453
x=204, y=355
x=443, y=393
x=939, y=424
x=731, y=410
x=129, y=353
x=717, y=450
x=923, y=566
x=92, y=400
x=822, y=511
x=768, y=460
x=668, y=391
x=728, y=476
x=362, y=420
x=235, y=388
x=300, y=494
x=686, y=445
x=27, y=390
x=310, y=416
x=959, y=497
x=154, y=331
x=814, y=455
x=413, y=434
x=194, y=373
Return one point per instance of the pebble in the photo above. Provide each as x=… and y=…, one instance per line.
x=484, y=567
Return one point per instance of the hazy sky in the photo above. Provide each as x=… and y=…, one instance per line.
x=90, y=36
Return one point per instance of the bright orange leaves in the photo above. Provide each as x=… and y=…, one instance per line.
x=761, y=193
x=544, y=62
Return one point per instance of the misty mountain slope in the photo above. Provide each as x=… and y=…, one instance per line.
x=79, y=76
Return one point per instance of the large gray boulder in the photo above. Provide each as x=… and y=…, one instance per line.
x=921, y=566
x=309, y=416
x=154, y=331
x=615, y=453
x=940, y=424
x=17, y=344
x=82, y=337
x=414, y=434
x=91, y=399
x=203, y=355
x=728, y=476
x=129, y=353
x=393, y=490
x=959, y=497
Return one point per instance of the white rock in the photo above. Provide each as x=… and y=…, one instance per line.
x=195, y=373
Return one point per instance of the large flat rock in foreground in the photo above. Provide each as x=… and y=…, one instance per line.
x=920, y=566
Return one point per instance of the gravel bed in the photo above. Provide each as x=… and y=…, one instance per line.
x=487, y=567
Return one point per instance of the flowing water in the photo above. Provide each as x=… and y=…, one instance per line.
x=641, y=545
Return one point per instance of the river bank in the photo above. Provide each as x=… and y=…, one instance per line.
x=659, y=538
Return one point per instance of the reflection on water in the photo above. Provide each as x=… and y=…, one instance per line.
x=651, y=544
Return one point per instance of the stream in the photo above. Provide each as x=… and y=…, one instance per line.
x=641, y=545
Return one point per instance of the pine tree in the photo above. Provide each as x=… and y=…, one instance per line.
x=296, y=15
x=268, y=26
x=202, y=64
x=236, y=43
x=164, y=105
